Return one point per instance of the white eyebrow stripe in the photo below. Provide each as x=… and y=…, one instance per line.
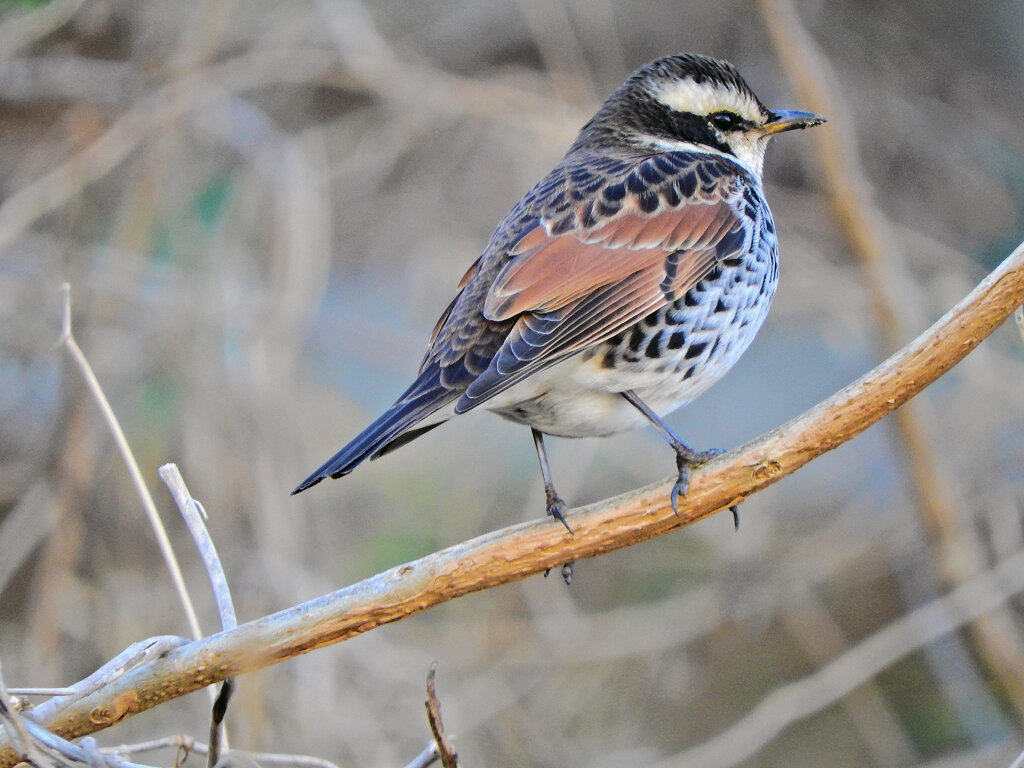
x=686, y=95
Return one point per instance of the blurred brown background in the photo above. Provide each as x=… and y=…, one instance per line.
x=262, y=207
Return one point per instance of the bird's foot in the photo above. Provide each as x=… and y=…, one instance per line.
x=686, y=460
x=557, y=508
x=566, y=572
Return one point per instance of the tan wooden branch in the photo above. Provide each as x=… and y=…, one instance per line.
x=522, y=550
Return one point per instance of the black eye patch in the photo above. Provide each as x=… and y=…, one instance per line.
x=726, y=120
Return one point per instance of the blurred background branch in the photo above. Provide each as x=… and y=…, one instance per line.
x=959, y=549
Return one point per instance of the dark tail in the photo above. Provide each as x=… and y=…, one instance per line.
x=392, y=429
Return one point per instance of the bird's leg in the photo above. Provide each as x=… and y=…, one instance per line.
x=556, y=506
x=686, y=457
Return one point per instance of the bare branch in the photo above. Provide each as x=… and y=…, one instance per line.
x=522, y=550
x=198, y=748
x=193, y=514
x=67, y=339
x=218, y=737
x=14, y=726
x=130, y=658
x=427, y=757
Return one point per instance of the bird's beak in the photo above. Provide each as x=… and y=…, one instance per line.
x=790, y=120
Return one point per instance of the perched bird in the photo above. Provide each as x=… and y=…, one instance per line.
x=624, y=284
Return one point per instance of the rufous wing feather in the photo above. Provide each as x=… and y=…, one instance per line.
x=573, y=290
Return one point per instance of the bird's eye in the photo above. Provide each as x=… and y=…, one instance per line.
x=724, y=120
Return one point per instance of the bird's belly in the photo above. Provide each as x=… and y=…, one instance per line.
x=667, y=360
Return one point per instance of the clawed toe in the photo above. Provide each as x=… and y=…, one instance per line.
x=566, y=572
x=709, y=454
x=686, y=460
x=557, y=509
x=682, y=486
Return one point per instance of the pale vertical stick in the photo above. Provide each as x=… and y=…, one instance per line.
x=162, y=540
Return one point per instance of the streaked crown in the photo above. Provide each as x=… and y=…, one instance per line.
x=688, y=102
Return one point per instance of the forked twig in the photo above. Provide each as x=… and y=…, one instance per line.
x=131, y=657
x=16, y=731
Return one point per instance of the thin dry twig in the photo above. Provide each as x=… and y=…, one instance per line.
x=42, y=749
x=16, y=730
x=427, y=757
x=218, y=736
x=180, y=742
x=529, y=548
x=128, y=659
x=302, y=761
x=444, y=748
x=194, y=515
x=417, y=85
x=559, y=47
x=67, y=340
x=199, y=748
x=866, y=232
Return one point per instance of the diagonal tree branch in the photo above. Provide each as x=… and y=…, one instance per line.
x=522, y=550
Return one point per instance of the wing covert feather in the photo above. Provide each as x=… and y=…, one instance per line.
x=579, y=274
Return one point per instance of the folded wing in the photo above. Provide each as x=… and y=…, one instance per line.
x=597, y=277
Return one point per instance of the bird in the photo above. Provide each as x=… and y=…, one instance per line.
x=619, y=288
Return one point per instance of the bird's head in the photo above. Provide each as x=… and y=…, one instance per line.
x=690, y=102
